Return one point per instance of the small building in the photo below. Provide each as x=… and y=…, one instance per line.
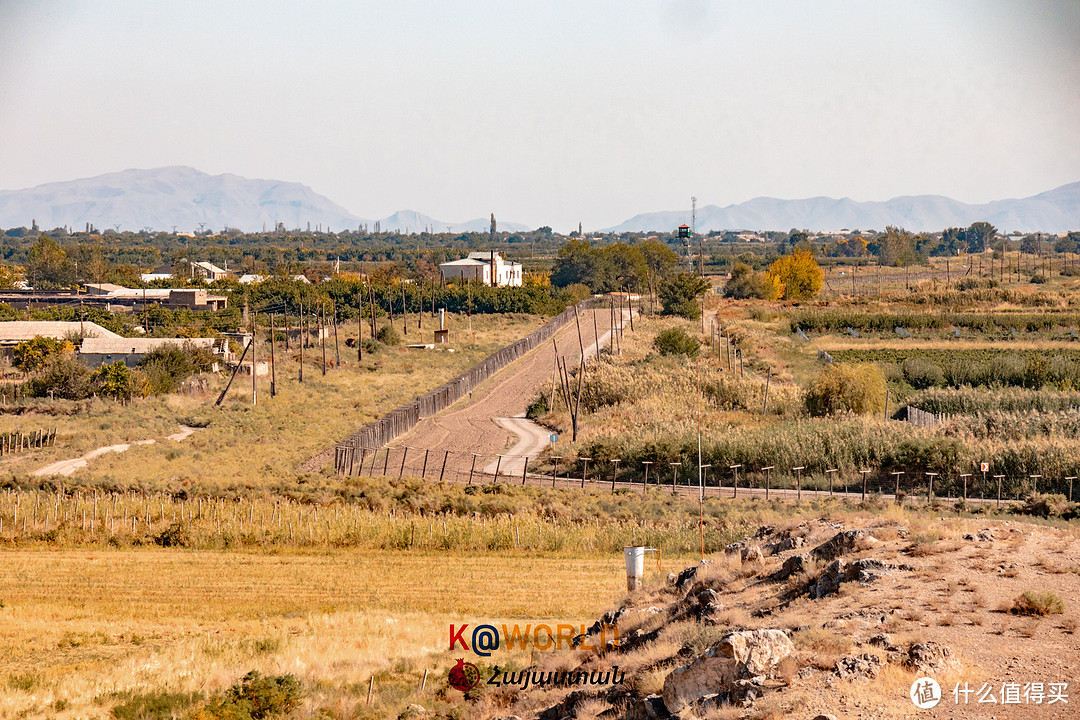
x=481, y=266
x=13, y=332
x=96, y=352
x=188, y=298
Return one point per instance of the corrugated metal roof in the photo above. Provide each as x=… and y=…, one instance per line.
x=12, y=331
x=135, y=346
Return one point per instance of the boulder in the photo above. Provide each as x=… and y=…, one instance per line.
x=752, y=554
x=828, y=581
x=859, y=667
x=650, y=707
x=868, y=570
x=882, y=640
x=824, y=717
x=931, y=657
x=793, y=565
x=844, y=542
x=791, y=543
x=688, y=574
x=725, y=669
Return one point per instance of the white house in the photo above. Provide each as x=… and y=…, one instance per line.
x=97, y=351
x=479, y=265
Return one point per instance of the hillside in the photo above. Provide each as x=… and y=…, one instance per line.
x=1056, y=210
x=187, y=199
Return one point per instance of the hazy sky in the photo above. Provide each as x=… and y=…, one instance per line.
x=550, y=112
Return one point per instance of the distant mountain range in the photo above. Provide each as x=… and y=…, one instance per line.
x=1052, y=211
x=183, y=197
x=186, y=198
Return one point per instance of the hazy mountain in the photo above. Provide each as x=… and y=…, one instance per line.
x=1053, y=211
x=183, y=197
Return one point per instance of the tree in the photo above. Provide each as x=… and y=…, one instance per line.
x=34, y=354
x=48, y=265
x=897, y=248
x=980, y=235
x=746, y=283
x=115, y=381
x=676, y=341
x=11, y=276
x=678, y=295
x=1030, y=244
x=798, y=274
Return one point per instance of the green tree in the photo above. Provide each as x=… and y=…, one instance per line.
x=115, y=381
x=11, y=276
x=676, y=341
x=34, y=354
x=897, y=248
x=48, y=266
x=798, y=274
x=746, y=283
x=980, y=236
x=679, y=295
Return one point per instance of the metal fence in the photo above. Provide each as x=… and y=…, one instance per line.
x=400, y=421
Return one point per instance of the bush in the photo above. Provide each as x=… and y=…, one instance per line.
x=1045, y=505
x=845, y=388
x=676, y=341
x=388, y=335
x=921, y=373
x=1033, y=602
x=370, y=346
x=538, y=407
x=746, y=283
x=34, y=354
x=1039, y=279
x=255, y=697
x=158, y=705
x=64, y=377
x=679, y=295
x=170, y=364
x=115, y=381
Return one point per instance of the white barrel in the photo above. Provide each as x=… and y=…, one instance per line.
x=635, y=567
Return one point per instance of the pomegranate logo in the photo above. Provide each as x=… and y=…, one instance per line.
x=464, y=676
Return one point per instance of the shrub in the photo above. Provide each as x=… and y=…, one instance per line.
x=845, y=388
x=679, y=295
x=921, y=373
x=388, y=335
x=159, y=705
x=798, y=274
x=64, y=377
x=1034, y=602
x=1045, y=505
x=538, y=407
x=370, y=346
x=170, y=364
x=176, y=535
x=115, y=381
x=34, y=354
x=676, y=341
x=255, y=697
x=1039, y=279
x=746, y=283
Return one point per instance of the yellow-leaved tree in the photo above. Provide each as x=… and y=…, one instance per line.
x=799, y=274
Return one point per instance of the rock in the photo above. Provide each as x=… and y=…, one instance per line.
x=824, y=717
x=506, y=717
x=930, y=657
x=651, y=610
x=412, y=711
x=859, y=667
x=764, y=531
x=671, y=578
x=650, y=707
x=793, y=565
x=791, y=543
x=752, y=554
x=688, y=574
x=843, y=543
x=986, y=535
x=881, y=640
x=829, y=580
x=734, y=548
x=868, y=570
x=750, y=655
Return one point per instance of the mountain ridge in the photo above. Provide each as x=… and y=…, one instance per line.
x=181, y=196
x=1056, y=210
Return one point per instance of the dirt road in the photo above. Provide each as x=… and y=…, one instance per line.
x=68, y=467
x=493, y=420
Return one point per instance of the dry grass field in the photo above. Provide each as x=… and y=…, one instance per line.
x=243, y=445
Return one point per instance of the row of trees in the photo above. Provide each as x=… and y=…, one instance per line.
x=791, y=277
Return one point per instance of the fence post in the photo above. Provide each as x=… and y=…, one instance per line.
x=614, y=473
x=768, y=471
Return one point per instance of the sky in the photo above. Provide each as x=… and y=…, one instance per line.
x=550, y=112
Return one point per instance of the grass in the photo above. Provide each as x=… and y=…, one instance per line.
x=235, y=447
x=1038, y=602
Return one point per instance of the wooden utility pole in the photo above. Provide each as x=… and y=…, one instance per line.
x=286, y=325
x=300, y=325
x=322, y=334
x=254, y=358
x=221, y=397
x=404, y=311
x=337, y=350
x=273, y=366
x=360, y=327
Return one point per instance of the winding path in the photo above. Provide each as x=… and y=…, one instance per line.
x=68, y=467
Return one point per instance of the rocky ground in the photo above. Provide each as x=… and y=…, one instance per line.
x=839, y=619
